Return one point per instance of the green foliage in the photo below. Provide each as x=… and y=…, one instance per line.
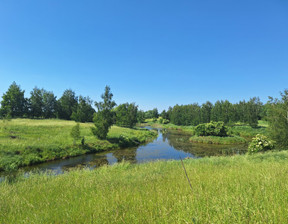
x=277, y=116
x=152, y=114
x=42, y=104
x=206, y=109
x=218, y=140
x=36, y=102
x=25, y=142
x=211, y=129
x=247, y=131
x=253, y=111
x=84, y=111
x=49, y=109
x=260, y=143
x=67, y=104
x=104, y=118
x=186, y=115
x=75, y=133
x=140, y=116
x=14, y=103
x=238, y=189
x=126, y=115
x=162, y=120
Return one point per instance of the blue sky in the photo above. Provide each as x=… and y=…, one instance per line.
x=155, y=53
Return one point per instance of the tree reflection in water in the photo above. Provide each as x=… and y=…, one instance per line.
x=180, y=141
x=128, y=154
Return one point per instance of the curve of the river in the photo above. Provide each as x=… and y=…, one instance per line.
x=169, y=145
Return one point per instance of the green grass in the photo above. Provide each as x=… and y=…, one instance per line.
x=218, y=140
x=238, y=129
x=24, y=141
x=249, y=132
x=238, y=189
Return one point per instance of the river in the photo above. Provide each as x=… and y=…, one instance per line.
x=169, y=145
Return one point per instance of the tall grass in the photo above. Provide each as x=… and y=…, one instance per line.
x=218, y=140
x=238, y=189
x=25, y=141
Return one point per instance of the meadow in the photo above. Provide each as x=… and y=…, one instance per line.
x=25, y=141
x=237, y=189
x=239, y=133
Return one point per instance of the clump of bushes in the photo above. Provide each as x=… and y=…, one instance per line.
x=211, y=129
x=260, y=143
x=163, y=120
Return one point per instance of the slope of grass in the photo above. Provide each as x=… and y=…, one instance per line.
x=238, y=189
x=25, y=141
x=218, y=140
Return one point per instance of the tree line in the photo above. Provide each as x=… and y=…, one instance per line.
x=44, y=104
x=193, y=114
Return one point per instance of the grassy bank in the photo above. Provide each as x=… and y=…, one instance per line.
x=24, y=141
x=239, y=133
x=238, y=189
x=218, y=140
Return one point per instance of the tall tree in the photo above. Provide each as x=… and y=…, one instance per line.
x=253, y=111
x=126, y=115
x=36, y=103
x=84, y=111
x=14, y=103
x=206, y=112
x=277, y=116
x=140, y=116
x=67, y=104
x=104, y=117
x=49, y=104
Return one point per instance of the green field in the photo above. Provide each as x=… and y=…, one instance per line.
x=239, y=133
x=24, y=141
x=218, y=140
x=238, y=189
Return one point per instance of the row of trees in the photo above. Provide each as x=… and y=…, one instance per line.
x=194, y=114
x=44, y=104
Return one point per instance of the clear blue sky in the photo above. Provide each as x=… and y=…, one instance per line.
x=155, y=53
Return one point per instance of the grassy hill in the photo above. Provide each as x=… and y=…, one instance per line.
x=24, y=141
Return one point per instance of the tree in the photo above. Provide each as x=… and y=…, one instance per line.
x=140, y=116
x=67, y=104
x=49, y=104
x=206, y=112
x=14, y=103
x=164, y=115
x=104, y=117
x=126, y=115
x=277, y=116
x=36, y=103
x=84, y=111
x=253, y=111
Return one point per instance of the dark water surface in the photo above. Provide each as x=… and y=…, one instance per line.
x=170, y=144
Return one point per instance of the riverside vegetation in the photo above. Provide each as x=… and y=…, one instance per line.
x=237, y=189
x=25, y=141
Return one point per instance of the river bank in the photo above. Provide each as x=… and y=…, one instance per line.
x=25, y=142
x=236, y=189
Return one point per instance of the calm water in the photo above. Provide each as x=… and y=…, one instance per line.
x=171, y=144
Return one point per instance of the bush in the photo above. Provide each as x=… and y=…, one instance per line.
x=163, y=120
x=211, y=129
x=260, y=143
x=75, y=133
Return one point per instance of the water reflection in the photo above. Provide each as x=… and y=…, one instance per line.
x=170, y=144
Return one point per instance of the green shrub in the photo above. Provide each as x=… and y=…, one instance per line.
x=212, y=129
x=260, y=143
x=75, y=132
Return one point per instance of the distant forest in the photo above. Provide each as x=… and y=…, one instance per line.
x=44, y=104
